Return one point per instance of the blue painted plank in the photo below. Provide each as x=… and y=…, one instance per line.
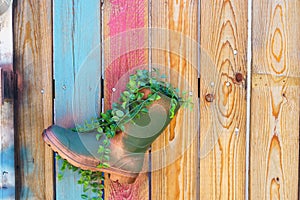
x=7, y=162
x=77, y=64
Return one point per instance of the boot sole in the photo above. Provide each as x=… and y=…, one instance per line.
x=80, y=161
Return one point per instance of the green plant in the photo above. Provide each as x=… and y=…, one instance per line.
x=131, y=104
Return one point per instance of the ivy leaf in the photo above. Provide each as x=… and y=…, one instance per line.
x=126, y=93
x=144, y=110
x=115, y=118
x=60, y=176
x=106, y=165
x=107, y=151
x=100, y=130
x=124, y=104
x=157, y=97
x=106, y=142
x=98, y=136
x=119, y=113
x=101, y=149
x=106, y=157
x=84, y=196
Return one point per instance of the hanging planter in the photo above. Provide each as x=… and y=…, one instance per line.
x=116, y=142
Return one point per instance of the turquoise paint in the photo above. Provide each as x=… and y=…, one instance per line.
x=76, y=59
x=7, y=180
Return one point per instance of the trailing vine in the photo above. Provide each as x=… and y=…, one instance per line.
x=131, y=104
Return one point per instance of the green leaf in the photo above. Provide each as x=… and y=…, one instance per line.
x=60, y=176
x=84, y=196
x=144, y=110
x=106, y=142
x=106, y=157
x=115, y=118
x=106, y=165
x=101, y=187
x=100, y=165
x=126, y=93
x=100, y=130
x=124, y=104
x=98, y=136
x=101, y=149
x=157, y=97
x=122, y=127
x=119, y=113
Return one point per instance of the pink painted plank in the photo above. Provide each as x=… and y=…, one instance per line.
x=125, y=50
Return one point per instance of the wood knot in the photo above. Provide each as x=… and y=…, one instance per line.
x=209, y=97
x=239, y=77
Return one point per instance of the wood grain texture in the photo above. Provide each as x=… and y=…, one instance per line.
x=7, y=161
x=222, y=121
x=274, y=155
x=33, y=104
x=77, y=73
x=125, y=50
x=174, y=31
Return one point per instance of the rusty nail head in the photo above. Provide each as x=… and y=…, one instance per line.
x=209, y=97
x=239, y=77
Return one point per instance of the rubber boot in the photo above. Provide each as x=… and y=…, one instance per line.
x=127, y=148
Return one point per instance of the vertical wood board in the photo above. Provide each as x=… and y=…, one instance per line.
x=223, y=99
x=77, y=73
x=125, y=50
x=174, y=51
x=274, y=155
x=33, y=104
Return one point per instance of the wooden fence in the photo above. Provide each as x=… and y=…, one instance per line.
x=238, y=60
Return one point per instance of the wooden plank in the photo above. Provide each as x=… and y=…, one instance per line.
x=33, y=65
x=174, y=51
x=274, y=161
x=7, y=161
x=125, y=50
x=76, y=60
x=223, y=99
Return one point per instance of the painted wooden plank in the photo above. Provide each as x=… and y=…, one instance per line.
x=125, y=50
x=174, y=50
x=274, y=155
x=7, y=162
x=7, y=184
x=33, y=65
x=77, y=64
x=223, y=99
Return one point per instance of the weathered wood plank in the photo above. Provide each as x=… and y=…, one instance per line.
x=223, y=99
x=76, y=60
x=174, y=51
x=125, y=49
x=274, y=155
x=33, y=104
x=7, y=161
